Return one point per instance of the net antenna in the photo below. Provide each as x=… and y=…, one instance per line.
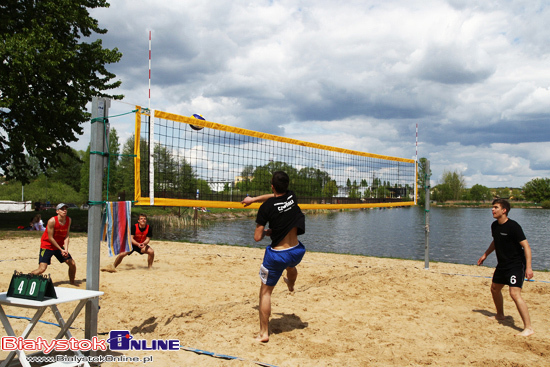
x=416, y=167
x=214, y=165
x=149, y=99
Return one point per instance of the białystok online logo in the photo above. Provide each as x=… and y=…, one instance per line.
x=118, y=340
x=12, y=343
x=123, y=340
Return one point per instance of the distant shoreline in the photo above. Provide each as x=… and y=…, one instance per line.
x=487, y=204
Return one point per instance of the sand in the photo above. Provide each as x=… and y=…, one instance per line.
x=345, y=311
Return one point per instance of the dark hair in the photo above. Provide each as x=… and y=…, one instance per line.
x=504, y=204
x=280, y=181
x=142, y=215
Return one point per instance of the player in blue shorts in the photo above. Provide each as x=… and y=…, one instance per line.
x=286, y=222
x=513, y=262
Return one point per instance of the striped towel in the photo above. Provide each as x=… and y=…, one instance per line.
x=116, y=227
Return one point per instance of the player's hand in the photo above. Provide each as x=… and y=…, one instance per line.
x=65, y=253
x=481, y=260
x=529, y=274
x=247, y=201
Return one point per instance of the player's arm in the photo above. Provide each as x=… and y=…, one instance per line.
x=487, y=253
x=66, y=245
x=256, y=199
x=261, y=232
x=528, y=257
x=50, y=228
x=148, y=237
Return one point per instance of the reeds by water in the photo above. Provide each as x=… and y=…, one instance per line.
x=164, y=222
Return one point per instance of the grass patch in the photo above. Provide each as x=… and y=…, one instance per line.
x=10, y=221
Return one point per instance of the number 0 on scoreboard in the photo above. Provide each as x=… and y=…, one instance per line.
x=30, y=286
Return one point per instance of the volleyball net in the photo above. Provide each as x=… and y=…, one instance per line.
x=185, y=161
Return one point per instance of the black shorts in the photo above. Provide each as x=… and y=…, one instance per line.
x=512, y=277
x=45, y=256
x=136, y=249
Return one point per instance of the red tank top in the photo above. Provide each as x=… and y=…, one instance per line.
x=59, y=234
x=140, y=235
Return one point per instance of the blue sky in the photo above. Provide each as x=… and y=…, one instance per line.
x=474, y=76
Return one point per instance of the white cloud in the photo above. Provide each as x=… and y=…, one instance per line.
x=360, y=75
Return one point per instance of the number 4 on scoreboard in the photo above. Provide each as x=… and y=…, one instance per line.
x=29, y=286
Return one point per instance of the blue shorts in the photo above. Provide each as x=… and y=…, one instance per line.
x=45, y=256
x=276, y=261
x=511, y=277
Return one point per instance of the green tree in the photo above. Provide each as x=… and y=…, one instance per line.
x=261, y=184
x=423, y=180
x=247, y=175
x=174, y=178
x=330, y=189
x=47, y=76
x=248, y=172
x=376, y=182
x=516, y=195
x=42, y=189
x=442, y=192
x=455, y=182
x=112, y=172
x=367, y=193
x=354, y=192
x=310, y=182
x=126, y=168
x=204, y=189
x=537, y=190
x=85, y=174
x=69, y=171
x=480, y=193
x=257, y=181
x=503, y=192
x=382, y=192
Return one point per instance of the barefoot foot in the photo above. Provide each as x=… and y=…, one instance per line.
x=262, y=338
x=109, y=268
x=526, y=332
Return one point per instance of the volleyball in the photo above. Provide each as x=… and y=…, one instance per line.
x=199, y=117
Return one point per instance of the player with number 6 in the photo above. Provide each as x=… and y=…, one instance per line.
x=513, y=262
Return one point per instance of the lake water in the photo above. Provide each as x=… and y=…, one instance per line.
x=457, y=235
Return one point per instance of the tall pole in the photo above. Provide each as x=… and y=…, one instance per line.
x=100, y=110
x=427, y=205
x=416, y=169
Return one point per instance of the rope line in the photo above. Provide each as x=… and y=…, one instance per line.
x=48, y=323
x=106, y=154
x=103, y=119
x=223, y=356
x=96, y=202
